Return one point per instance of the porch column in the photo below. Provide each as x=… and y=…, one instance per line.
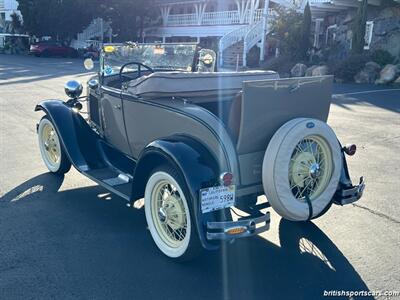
x=200, y=8
x=165, y=14
x=253, y=6
x=242, y=7
x=265, y=30
x=317, y=31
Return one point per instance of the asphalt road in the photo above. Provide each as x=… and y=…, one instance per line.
x=66, y=238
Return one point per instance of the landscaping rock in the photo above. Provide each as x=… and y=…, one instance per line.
x=310, y=70
x=396, y=83
x=299, y=70
x=369, y=73
x=320, y=71
x=388, y=74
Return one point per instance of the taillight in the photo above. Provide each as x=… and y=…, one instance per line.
x=350, y=149
x=226, y=178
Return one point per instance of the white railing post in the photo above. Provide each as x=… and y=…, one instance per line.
x=264, y=30
x=244, y=53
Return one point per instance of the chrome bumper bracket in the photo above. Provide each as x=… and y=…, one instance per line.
x=219, y=230
x=351, y=194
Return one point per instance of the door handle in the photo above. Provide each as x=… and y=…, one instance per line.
x=117, y=106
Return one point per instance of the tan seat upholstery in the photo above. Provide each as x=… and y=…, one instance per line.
x=189, y=84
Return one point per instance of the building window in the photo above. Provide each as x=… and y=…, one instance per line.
x=369, y=29
x=330, y=37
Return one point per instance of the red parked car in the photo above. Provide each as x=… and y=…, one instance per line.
x=50, y=48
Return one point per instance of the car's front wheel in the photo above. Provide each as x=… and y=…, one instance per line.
x=168, y=214
x=51, y=149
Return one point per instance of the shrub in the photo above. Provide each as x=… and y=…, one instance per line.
x=382, y=57
x=253, y=57
x=281, y=64
x=349, y=67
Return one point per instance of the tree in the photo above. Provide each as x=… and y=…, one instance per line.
x=16, y=24
x=287, y=28
x=57, y=18
x=358, y=40
x=305, y=43
x=63, y=19
x=128, y=18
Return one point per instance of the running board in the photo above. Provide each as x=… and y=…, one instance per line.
x=112, y=180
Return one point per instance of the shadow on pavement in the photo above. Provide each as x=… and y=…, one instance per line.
x=77, y=243
x=18, y=69
x=353, y=94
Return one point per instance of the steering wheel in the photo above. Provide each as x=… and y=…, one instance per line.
x=139, y=70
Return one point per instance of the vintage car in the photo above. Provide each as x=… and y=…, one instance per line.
x=199, y=146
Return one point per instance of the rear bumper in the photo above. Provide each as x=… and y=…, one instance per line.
x=349, y=194
x=243, y=227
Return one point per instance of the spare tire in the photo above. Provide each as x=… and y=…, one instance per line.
x=302, y=167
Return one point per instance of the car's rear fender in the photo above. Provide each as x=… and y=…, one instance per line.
x=198, y=168
x=79, y=140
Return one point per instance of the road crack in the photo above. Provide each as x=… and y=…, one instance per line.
x=376, y=213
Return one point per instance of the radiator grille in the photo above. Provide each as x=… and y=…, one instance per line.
x=94, y=110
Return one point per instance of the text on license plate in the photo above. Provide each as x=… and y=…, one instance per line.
x=218, y=197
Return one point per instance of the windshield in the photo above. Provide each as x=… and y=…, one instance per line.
x=159, y=57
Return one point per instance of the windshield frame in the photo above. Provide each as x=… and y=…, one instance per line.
x=192, y=66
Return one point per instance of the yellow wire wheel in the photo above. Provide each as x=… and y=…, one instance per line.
x=303, y=160
x=52, y=151
x=168, y=215
x=310, y=168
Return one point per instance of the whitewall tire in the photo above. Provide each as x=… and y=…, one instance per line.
x=303, y=162
x=51, y=149
x=168, y=214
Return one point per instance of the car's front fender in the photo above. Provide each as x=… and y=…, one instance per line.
x=77, y=138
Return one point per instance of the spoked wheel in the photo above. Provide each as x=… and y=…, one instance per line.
x=302, y=168
x=51, y=149
x=168, y=215
x=310, y=168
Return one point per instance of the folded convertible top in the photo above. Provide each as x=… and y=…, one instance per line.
x=188, y=84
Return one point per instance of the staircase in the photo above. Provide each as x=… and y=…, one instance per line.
x=233, y=56
x=235, y=45
x=97, y=29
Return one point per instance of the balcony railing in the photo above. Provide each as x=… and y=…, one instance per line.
x=212, y=18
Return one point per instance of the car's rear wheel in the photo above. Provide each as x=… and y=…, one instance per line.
x=168, y=214
x=51, y=149
x=302, y=168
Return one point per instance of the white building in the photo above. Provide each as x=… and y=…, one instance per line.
x=218, y=24
x=233, y=27
x=7, y=8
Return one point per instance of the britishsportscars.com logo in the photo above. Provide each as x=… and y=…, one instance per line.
x=343, y=293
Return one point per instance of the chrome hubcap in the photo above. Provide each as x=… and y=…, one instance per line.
x=162, y=215
x=315, y=171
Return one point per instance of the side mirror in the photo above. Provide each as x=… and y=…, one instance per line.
x=73, y=89
x=88, y=64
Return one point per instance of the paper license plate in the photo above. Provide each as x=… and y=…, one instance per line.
x=218, y=197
